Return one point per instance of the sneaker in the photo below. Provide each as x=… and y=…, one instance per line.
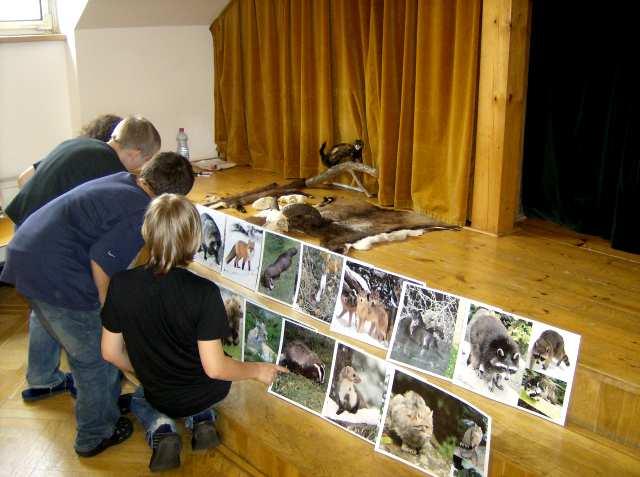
x=204, y=436
x=124, y=403
x=35, y=394
x=121, y=433
x=166, y=446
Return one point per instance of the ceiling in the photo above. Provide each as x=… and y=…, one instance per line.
x=147, y=13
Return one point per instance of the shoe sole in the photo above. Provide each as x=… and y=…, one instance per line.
x=205, y=437
x=167, y=455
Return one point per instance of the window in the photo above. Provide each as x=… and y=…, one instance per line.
x=27, y=17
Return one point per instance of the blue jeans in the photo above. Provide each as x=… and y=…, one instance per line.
x=151, y=419
x=97, y=382
x=43, y=362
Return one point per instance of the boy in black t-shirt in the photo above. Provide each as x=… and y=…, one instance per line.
x=167, y=324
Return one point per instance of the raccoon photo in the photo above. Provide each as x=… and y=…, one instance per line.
x=549, y=349
x=494, y=354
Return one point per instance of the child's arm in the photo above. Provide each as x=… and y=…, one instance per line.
x=219, y=366
x=114, y=350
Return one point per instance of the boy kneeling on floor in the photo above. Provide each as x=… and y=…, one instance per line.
x=167, y=323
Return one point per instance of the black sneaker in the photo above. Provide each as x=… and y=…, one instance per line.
x=124, y=403
x=121, y=433
x=204, y=436
x=166, y=446
x=35, y=394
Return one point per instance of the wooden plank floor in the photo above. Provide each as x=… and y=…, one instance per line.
x=542, y=271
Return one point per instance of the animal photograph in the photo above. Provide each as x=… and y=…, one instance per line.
x=262, y=330
x=357, y=392
x=543, y=395
x=493, y=354
x=432, y=430
x=308, y=356
x=553, y=352
x=242, y=252
x=428, y=329
x=279, y=269
x=211, y=250
x=368, y=303
x=319, y=286
x=234, y=306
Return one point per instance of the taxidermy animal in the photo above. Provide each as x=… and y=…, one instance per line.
x=411, y=420
x=211, y=240
x=376, y=314
x=413, y=330
x=494, y=354
x=233, y=307
x=279, y=266
x=349, y=399
x=285, y=200
x=342, y=152
x=547, y=349
x=264, y=203
x=301, y=360
x=256, y=336
x=241, y=251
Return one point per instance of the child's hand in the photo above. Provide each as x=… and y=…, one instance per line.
x=267, y=372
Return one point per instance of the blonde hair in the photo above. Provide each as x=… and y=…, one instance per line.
x=136, y=132
x=171, y=231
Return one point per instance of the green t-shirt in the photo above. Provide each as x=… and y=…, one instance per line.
x=70, y=164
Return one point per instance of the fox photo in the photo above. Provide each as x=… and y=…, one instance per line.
x=234, y=306
x=493, y=354
x=211, y=248
x=368, y=303
x=262, y=330
x=428, y=329
x=432, y=430
x=242, y=251
x=357, y=392
x=308, y=356
x=319, y=283
x=279, y=269
x=543, y=395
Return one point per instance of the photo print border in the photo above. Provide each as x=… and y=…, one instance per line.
x=253, y=233
x=327, y=282
x=358, y=389
x=303, y=361
x=409, y=404
x=276, y=267
x=212, y=239
x=375, y=311
x=428, y=336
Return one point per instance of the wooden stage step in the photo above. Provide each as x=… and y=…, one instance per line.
x=542, y=271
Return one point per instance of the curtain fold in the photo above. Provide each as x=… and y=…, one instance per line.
x=399, y=74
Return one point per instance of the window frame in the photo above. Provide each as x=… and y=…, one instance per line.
x=48, y=24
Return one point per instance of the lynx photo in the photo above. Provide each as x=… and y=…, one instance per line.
x=262, y=330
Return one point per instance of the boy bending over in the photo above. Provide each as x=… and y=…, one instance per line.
x=172, y=322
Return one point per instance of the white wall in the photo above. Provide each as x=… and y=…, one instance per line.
x=164, y=73
x=34, y=106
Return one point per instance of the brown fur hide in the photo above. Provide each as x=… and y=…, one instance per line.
x=346, y=221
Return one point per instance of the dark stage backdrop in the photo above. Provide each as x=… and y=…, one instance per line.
x=581, y=153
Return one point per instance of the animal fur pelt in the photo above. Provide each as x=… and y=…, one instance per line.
x=346, y=221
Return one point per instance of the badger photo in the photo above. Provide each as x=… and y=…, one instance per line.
x=427, y=332
x=357, y=391
x=262, y=330
x=492, y=356
x=279, y=269
x=433, y=430
x=308, y=355
x=211, y=247
x=234, y=306
x=319, y=283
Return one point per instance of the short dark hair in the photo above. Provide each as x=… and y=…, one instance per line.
x=101, y=127
x=168, y=173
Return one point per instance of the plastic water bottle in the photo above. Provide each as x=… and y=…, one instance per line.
x=183, y=147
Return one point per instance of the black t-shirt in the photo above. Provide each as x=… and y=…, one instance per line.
x=70, y=164
x=162, y=317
